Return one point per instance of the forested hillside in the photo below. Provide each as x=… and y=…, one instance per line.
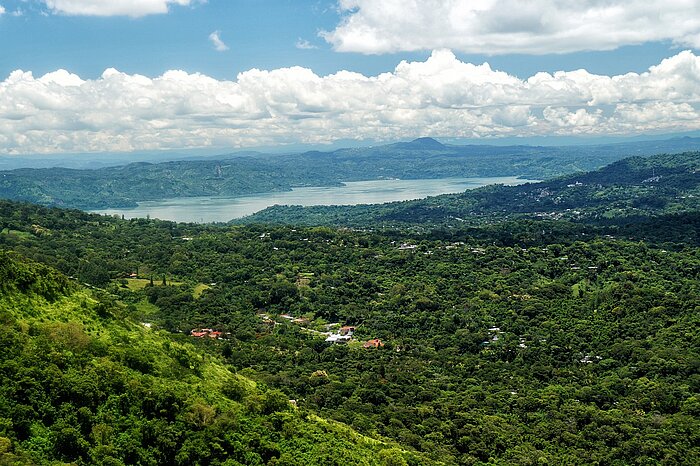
x=516, y=342
x=236, y=175
x=625, y=191
x=498, y=263
x=84, y=384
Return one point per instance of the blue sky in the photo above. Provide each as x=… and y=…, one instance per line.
x=363, y=70
x=259, y=33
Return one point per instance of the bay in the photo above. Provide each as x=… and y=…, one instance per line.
x=223, y=209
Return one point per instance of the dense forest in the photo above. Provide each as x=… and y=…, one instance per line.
x=82, y=383
x=627, y=191
x=239, y=174
x=514, y=339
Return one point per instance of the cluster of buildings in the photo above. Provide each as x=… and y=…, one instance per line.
x=207, y=333
x=344, y=335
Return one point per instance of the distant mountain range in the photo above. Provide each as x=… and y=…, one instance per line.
x=249, y=173
x=628, y=190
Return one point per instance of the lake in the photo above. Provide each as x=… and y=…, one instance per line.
x=220, y=209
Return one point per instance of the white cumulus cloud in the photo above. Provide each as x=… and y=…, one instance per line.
x=133, y=8
x=2, y=10
x=219, y=44
x=512, y=26
x=441, y=97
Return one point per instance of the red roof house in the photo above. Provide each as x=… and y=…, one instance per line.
x=376, y=343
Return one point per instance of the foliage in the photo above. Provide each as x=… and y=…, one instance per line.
x=510, y=340
x=236, y=175
x=88, y=389
x=625, y=192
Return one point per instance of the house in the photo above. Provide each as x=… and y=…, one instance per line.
x=335, y=338
x=494, y=336
x=375, y=343
x=347, y=330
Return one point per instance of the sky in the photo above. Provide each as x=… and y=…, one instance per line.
x=88, y=76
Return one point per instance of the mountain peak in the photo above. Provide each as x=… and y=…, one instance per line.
x=422, y=143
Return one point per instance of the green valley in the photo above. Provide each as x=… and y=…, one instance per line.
x=510, y=339
x=349, y=233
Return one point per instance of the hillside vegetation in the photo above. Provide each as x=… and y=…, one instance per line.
x=235, y=175
x=623, y=192
x=83, y=384
x=514, y=338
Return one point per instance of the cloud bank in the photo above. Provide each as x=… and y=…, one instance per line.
x=133, y=8
x=512, y=26
x=440, y=97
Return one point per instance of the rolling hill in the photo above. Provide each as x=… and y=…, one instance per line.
x=235, y=175
x=629, y=189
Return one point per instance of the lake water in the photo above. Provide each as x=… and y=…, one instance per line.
x=219, y=209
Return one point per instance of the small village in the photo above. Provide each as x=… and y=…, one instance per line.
x=334, y=333
x=209, y=333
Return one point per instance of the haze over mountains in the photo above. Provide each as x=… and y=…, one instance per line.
x=248, y=173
